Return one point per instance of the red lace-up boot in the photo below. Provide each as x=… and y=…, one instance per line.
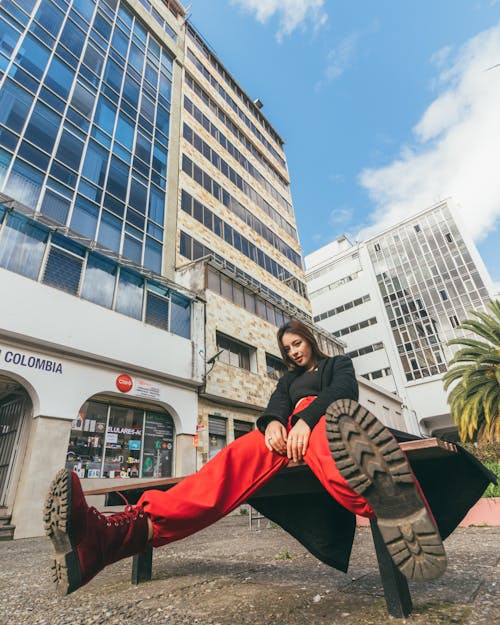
x=85, y=540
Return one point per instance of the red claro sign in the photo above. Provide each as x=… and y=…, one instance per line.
x=124, y=383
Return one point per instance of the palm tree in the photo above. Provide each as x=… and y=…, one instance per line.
x=475, y=399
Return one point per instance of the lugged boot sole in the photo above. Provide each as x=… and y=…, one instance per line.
x=66, y=572
x=371, y=461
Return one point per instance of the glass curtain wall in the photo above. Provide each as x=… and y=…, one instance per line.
x=85, y=95
x=429, y=283
x=33, y=250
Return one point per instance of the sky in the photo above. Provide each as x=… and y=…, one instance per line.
x=386, y=107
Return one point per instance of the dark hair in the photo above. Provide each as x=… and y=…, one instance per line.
x=297, y=327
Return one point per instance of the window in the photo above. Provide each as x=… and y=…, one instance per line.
x=84, y=217
x=24, y=183
x=157, y=307
x=59, y=77
x=70, y=150
x=233, y=353
x=217, y=435
x=130, y=294
x=99, y=280
x=63, y=270
x=22, y=246
x=275, y=367
x=43, y=127
x=33, y=56
x=55, y=206
x=241, y=428
x=180, y=315
x=454, y=321
x=152, y=255
x=342, y=308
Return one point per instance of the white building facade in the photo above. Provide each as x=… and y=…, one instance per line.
x=396, y=299
x=101, y=352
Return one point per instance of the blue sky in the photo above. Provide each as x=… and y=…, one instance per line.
x=386, y=107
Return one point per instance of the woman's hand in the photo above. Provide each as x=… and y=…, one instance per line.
x=275, y=437
x=298, y=440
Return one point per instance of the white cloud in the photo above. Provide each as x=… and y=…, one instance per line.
x=456, y=151
x=291, y=13
x=339, y=58
x=340, y=216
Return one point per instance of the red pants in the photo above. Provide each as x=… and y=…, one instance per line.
x=234, y=474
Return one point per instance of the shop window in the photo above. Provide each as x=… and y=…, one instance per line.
x=123, y=442
x=117, y=441
x=217, y=435
x=86, y=444
x=157, y=457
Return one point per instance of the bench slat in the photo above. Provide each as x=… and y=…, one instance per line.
x=415, y=450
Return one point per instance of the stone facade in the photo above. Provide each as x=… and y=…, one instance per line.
x=203, y=234
x=230, y=383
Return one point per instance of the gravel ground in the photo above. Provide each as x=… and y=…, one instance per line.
x=230, y=575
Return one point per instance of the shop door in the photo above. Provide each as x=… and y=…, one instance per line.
x=12, y=413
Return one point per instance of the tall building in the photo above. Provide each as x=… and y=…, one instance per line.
x=100, y=350
x=396, y=299
x=238, y=245
x=148, y=249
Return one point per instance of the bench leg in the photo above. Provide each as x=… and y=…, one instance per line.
x=142, y=566
x=396, y=591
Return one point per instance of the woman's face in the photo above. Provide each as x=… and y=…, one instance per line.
x=298, y=350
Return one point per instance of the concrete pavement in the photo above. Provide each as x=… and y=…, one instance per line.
x=229, y=575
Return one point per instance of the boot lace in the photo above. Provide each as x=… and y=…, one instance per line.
x=130, y=513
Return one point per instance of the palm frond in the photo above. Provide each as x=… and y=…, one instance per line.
x=487, y=326
x=474, y=343
x=473, y=377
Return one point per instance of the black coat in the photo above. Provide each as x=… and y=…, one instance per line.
x=337, y=380
x=451, y=484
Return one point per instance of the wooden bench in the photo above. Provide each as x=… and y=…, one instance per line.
x=294, y=478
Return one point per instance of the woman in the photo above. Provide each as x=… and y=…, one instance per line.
x=352, y=455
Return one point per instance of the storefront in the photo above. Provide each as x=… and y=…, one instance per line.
x=104, y=422
x=110, y=440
